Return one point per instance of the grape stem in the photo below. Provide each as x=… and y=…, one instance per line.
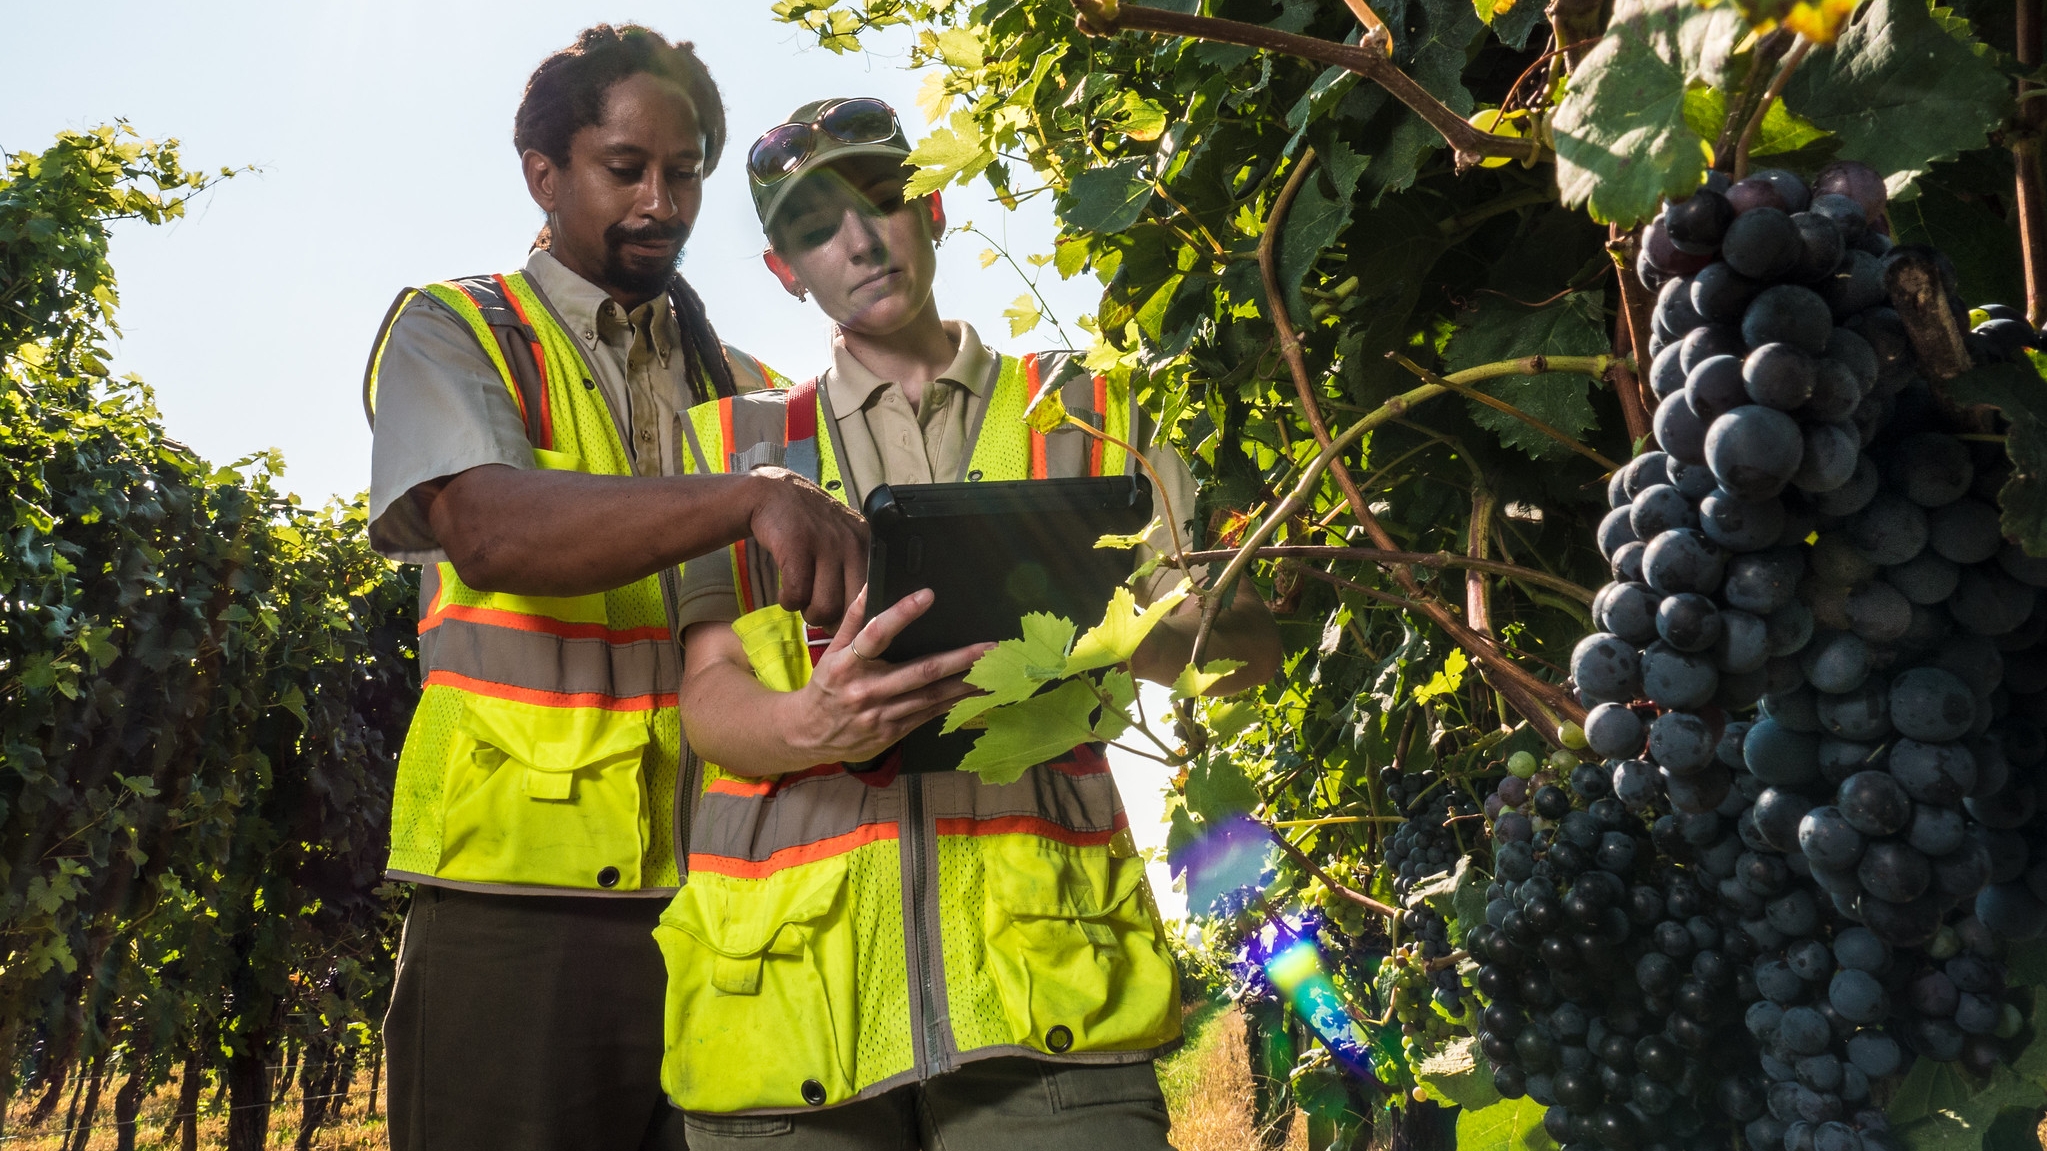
x=1776, y=89
x=1539, y=365
x=1631, y=336
x=1432, y=560
x=1329, y=881
x=1370, y=60
x=2025, y=153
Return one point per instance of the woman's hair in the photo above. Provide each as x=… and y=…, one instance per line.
x=566, y=93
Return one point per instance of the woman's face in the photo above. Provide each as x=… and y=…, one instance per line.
x=850, y=239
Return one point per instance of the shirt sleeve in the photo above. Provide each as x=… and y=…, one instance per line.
x=1175, y=490
x=442, y=408
x=706, y=595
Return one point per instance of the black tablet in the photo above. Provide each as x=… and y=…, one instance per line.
x=994, y=551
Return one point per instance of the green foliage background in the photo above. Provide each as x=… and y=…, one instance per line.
x=203, y=687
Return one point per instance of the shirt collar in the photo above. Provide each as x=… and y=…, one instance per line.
x=590, y=312
x=853, y=386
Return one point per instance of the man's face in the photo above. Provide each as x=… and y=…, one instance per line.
x=865, y=253
x=631, y=190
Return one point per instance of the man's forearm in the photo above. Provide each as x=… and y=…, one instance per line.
x=550, y=533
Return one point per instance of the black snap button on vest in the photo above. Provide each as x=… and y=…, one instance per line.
x=831, y=485
x=813, y=1092
x=974, y=475
x=608, y=877
x=1059, y=1039
x=590, y=384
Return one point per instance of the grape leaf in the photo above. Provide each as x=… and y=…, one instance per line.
x=1217, y=788
x=1956, y=219
x=1122, y=692
x=1509, y=1125
x=1781, y=130
x=1456, y=1075
x=1623, y=143
x=953, y=153
x=1316, y=219
x=1015, y=669
x=1194, y=682
x=1927, y=1089
x=1500, y=329
x=1109, y=198
x=1963, y=1126
x=1123, y=628
x=1900, y=92
x=1030, y=732
x=1023, y=314
x=2017, y=391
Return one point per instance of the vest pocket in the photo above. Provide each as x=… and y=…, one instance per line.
x=552, y=797
x=761, y=1006
x=1074, y=947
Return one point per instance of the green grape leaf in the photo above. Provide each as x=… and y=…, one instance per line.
x=1217, y=788
x=1037, y=729
x=1456, y=1075
x=1928, y=1088
x=958, y=152
x=1116, y=719
x=1194, y=682
x=1228, y=717
x=1509, y=1125
x=1954, y=216
x=1964, y=1125
x=1023, y=314
x=1501, y=329
x=2017, y=391
x=1123, y=628
x=1623, y=143
x=1781, y=131
x=1900, y=92
x=1448, y=680
x=1015, y=669
x=1109, y=198
x=1110, y=541
x=1316, y=219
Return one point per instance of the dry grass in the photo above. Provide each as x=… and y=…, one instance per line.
x=1208, y=1087
x=356, y=1130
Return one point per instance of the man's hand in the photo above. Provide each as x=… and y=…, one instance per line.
x=819, y=544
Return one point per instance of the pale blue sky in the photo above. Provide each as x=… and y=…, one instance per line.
x=383, y=133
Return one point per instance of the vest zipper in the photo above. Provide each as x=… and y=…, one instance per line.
x=919, y=894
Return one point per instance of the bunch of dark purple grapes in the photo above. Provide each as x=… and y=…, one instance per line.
x=1810, y=547
x=1427, y=843
x=1605, y=992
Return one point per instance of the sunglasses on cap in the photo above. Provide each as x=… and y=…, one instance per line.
x=784, y=148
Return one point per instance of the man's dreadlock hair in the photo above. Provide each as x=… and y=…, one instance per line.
x=566, y=94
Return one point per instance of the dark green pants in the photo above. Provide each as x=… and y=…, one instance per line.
x=996, y=1105
x=528, y=1023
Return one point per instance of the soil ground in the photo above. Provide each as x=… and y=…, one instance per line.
x=1207, y=1084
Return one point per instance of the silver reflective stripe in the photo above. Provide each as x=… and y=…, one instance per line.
x=810, y=811
x=543, y=662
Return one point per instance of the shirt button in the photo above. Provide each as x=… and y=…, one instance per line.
x=646, y=437
x=589, y=334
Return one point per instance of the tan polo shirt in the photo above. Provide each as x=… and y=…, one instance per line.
x=894, y=443
x=442, y=408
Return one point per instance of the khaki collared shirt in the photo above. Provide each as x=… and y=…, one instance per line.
x=894, y=443
x=442, y=408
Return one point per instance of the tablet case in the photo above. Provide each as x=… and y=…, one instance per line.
x=994, y=551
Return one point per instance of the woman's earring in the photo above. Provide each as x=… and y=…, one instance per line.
x=803, y=295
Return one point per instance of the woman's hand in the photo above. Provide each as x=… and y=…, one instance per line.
x=857, y=706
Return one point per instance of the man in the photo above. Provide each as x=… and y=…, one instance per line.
x=525, y=452
x=904, y=957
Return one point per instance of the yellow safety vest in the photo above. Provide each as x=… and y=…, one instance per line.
x=546, y=750
x=838, y=939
